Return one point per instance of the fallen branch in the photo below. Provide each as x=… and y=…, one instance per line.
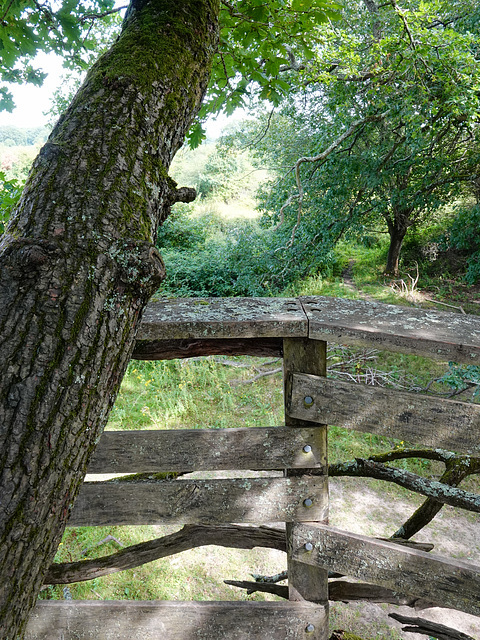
x=339, y=591
x=264, y=587
x=431, y=488
x=452, y=306
x=109, y=538
x=189, y=537
x=428, y=628
x=262, y=374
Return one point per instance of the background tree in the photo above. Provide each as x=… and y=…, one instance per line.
x=384, y=124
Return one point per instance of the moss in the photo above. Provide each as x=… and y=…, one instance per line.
x=165, y=32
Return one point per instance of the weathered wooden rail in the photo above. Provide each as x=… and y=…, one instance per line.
x=297, y=330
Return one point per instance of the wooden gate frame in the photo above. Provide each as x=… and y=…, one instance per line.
x=296, y=329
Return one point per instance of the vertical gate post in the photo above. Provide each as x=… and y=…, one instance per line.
x=302, y=355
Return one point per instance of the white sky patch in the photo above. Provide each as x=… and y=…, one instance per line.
x=32, y=102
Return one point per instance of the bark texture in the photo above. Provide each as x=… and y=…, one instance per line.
x=398, y=226
x=77, y=266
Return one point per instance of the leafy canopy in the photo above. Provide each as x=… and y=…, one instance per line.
x=258, y=40
x=384, y=122
x=27, y=27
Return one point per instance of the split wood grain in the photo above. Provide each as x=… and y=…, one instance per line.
x=447, y=582
x=199, y=501
x=430, y=421
x=171, y=349
x=205, y=449
x=124, y=620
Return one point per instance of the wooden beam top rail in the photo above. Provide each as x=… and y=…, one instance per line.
x=435, y=334
x=186, y=327
x=185, y=318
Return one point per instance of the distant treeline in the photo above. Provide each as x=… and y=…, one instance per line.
x=11, y=136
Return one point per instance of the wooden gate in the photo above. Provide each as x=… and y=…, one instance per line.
x=297, y=330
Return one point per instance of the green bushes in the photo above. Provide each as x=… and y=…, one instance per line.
x=10, y=192
x=464, y=234
x=207, y=255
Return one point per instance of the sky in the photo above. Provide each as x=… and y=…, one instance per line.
x=32, y=103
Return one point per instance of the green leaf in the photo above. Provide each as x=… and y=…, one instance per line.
x=196, y=136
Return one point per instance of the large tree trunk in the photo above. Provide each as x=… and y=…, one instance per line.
x=77, y=266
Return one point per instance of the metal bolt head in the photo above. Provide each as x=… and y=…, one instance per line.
x=308, y=401
x=308, y=502
x=310, y=628
x=308, y=546
x=307, y=448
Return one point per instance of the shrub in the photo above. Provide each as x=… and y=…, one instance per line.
x=464, y=234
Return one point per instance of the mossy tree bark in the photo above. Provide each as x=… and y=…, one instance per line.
x=77, y=266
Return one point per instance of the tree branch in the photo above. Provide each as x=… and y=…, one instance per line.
x=431, y=629
x=321, y=157
x=430, y=488
x=98, y=16
x=189, y=537
x=339, y=591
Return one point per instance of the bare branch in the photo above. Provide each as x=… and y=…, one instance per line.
x=430, y=488
x=431, y=629
x=260, y=137
x=98, y=16
x=189, y=537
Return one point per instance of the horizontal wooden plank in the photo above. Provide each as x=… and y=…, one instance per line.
x=123, y=620
x=436, y=334
x=195, y=347
x=430, y=421
x=190, y=501
x=183, y=318
x=202, y=449
x=447, y=582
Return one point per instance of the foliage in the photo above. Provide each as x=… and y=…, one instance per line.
x=12, y=136
x=221, y=175
x=10, y=192
x=384, y=127
x=206, y=255
x=463, y=234
x=102, y=34
x=27, y=27
x=460, y=378
x=260, y=43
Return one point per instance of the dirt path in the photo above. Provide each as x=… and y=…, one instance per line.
x=360, y=507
